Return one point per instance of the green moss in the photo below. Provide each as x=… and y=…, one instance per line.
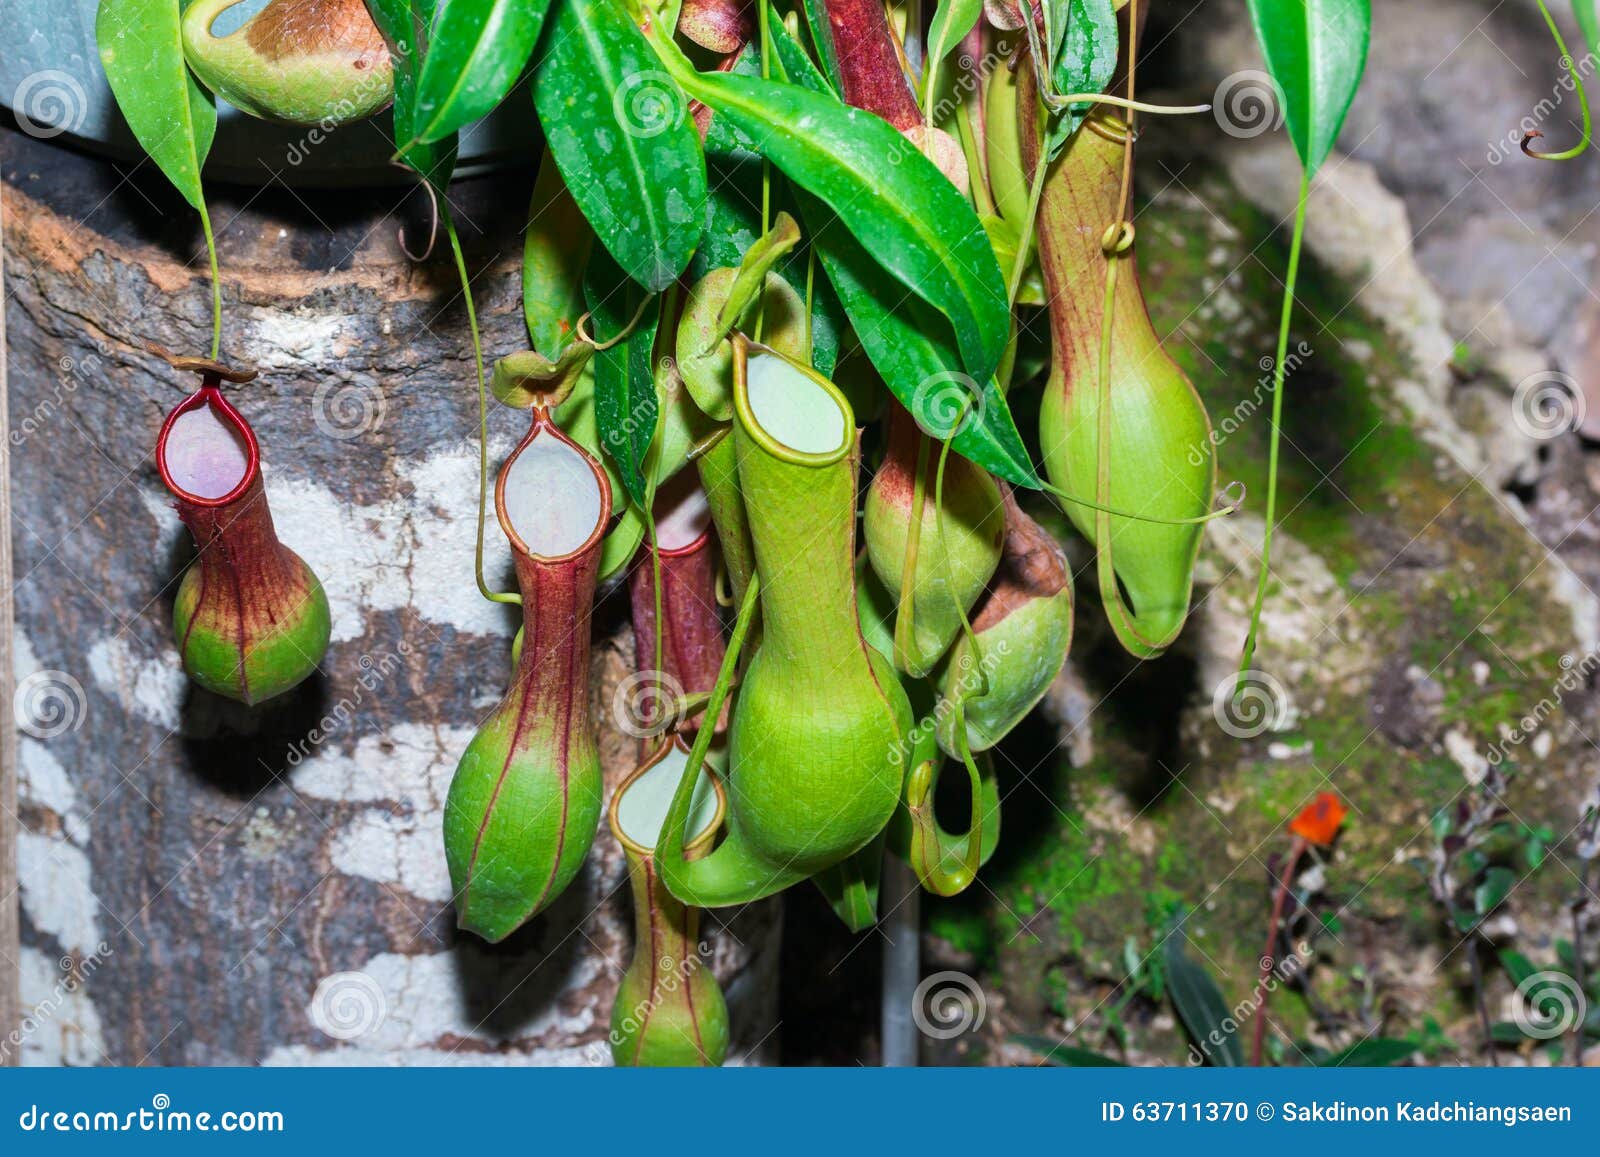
x=1191, y=818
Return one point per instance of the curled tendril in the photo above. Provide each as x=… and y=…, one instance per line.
x=1532, y=135
x=1118, y=238
x=581, y=328
x=433, y=228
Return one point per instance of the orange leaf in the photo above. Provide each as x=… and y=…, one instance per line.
x=1319, y=820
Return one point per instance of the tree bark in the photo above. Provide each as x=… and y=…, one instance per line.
x=10, y=945
x=205, y=883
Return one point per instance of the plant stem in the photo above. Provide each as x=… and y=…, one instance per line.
x=1478, y=999
x=483, y=409
x=1277, y=420
x=1578, y=970
x=216, y=283
x=1019, y=263
x=1274, y=929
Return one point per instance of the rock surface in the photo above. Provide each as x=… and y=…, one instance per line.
x=1415, y=620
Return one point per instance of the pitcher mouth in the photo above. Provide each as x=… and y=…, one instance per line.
x=794, y=413
x=645, y=814
x=683, y=516
x=535, y=499
x=206, y=453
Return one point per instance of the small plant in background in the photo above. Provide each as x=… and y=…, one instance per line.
x=1481, y=850
x=1316, y=826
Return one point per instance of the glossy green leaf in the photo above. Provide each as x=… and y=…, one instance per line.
x=170, y=114
x=1086, y=59
x=1315, y=50
x=476, y=53
x=625, y=402
x=405, y=25
x=952, y=20
x=1200, y=1005
x=909, y=343
x=821, y=33
x=555, y=251
x=620, y=130
x=891, y=198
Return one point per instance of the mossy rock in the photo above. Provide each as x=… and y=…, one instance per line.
x=1411, y=620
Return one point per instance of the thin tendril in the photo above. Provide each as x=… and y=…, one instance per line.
x=581, y=328
x=1128, y=103
x=216, y=283
x=1277, y=419
x=1232, y=498
x=483, y=414
x=719, y=695
x=1583, y=102
x=433, y=227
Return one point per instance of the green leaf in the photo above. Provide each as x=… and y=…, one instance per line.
x=1087, y=58
x=951, y=22
x=1377, y=1053
x=1518, y=967
x=170, y=114
x=1588, y=24
x=1315, y=50
x=555, y=250
x=909, y=343
x=753, y=268
x=477, y=52
x=620, y=130
x=405, y=24
x=625, y=401
x=891, y=197
x=821, y=32
x=1200, y=1005
x=911, y=346
x=1065, y=1055
x=1495, y=887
